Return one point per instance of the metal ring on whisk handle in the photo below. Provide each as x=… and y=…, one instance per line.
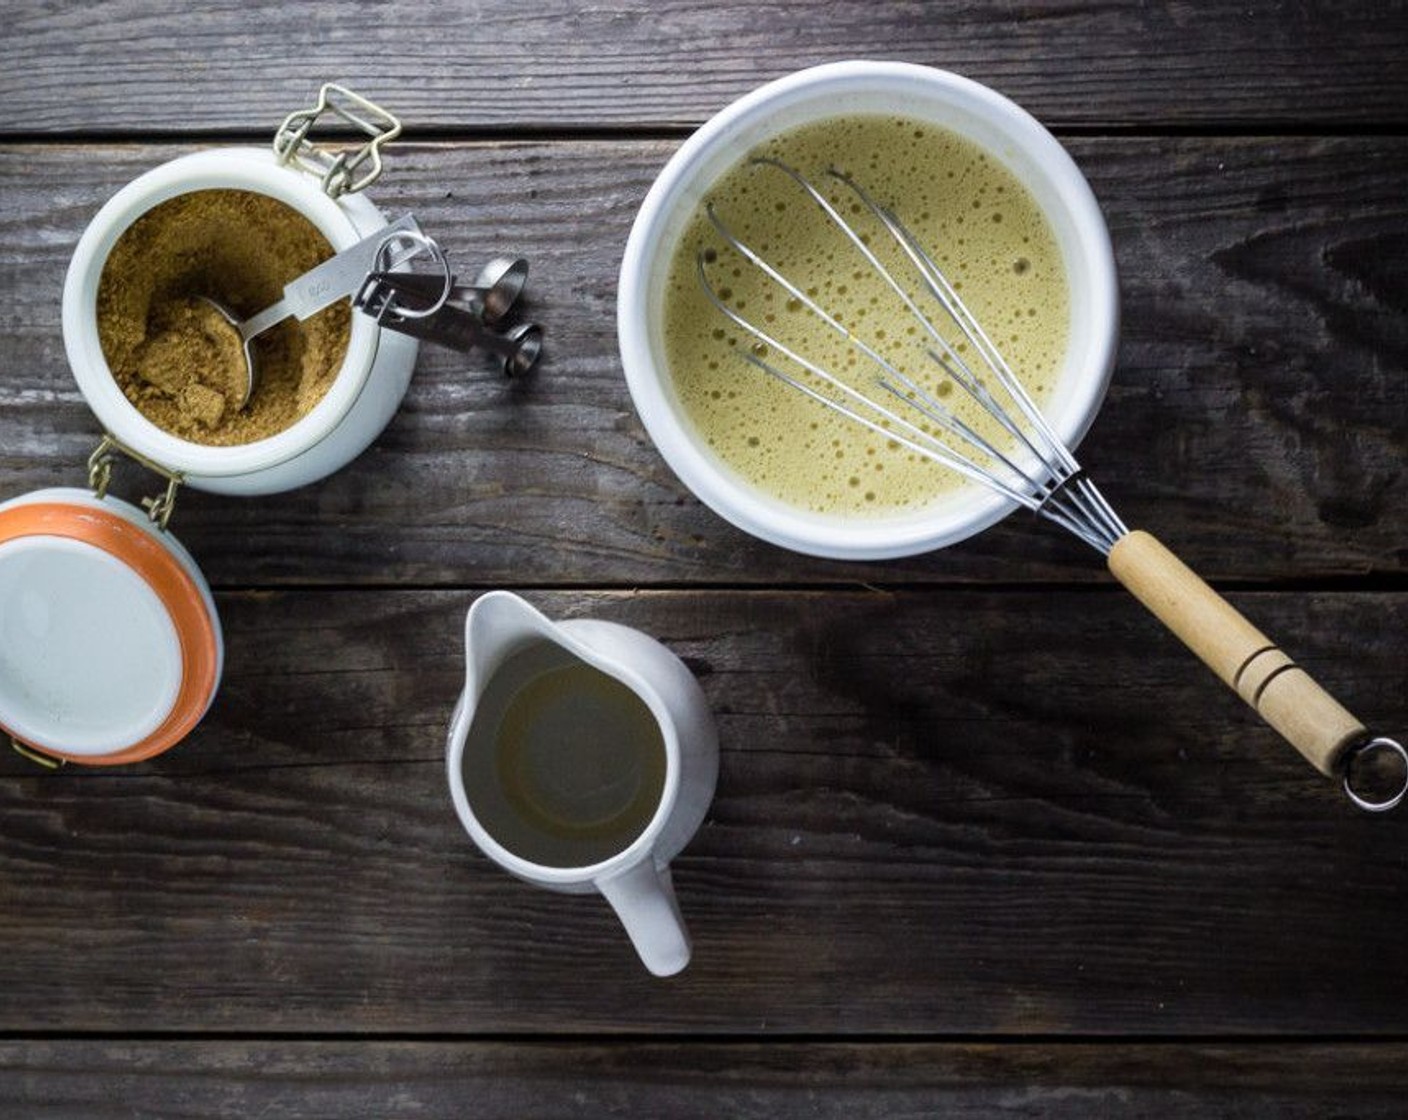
x=1363, y=750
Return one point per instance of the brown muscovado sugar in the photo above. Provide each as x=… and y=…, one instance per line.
x=173, y=355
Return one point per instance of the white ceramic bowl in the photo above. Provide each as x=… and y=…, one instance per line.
x=1008, y=133
x=375, y=373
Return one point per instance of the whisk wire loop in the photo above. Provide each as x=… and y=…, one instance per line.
x=929, y=447
x=947, y=297
x=1042, y=475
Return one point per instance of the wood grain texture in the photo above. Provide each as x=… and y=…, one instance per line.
x=942, y=812
x=1256, y=421
x=173, y=66
x=834, y=1081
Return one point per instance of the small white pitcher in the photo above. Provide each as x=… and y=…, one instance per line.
x=636, y=879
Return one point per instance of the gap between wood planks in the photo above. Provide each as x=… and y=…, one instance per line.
x=1369, y=583
x=626, y=1039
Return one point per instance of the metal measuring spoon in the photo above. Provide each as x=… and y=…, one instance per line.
x=336, y=278
x=421, y=306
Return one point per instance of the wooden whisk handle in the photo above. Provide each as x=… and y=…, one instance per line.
x=1250, y=663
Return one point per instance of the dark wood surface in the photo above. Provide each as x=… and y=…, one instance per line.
x=630, y=64
x=938, y=813
x=704, y=1080
x=986, y=841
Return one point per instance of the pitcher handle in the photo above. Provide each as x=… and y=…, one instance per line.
x=644, y=899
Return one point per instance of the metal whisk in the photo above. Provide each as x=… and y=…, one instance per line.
x=1039, y=472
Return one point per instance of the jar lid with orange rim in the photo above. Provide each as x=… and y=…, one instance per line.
x=110, y=644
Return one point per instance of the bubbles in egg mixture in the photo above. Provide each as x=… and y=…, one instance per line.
x=981, y=226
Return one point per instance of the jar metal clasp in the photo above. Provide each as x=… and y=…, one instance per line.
x=160, y=507
x=344, y=172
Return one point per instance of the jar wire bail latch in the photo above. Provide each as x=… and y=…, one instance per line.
x=340, y=172
x=160, y=507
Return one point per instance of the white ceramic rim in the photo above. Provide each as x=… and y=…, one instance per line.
x=72, y=496
x=642, y=847
x=252, y=169
x=918, y=91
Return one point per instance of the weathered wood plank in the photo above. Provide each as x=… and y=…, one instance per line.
x=834, y=1081
x=174, y=66
x=1257, y=419
x=948, y=811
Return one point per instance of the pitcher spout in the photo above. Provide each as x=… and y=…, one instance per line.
x=498, y=624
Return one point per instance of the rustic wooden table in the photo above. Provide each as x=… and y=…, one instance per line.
x=986, y=840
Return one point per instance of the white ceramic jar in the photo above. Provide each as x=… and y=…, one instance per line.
x=375, y=373
x=1005, y=131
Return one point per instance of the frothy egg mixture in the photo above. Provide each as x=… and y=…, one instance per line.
x=981, y=226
